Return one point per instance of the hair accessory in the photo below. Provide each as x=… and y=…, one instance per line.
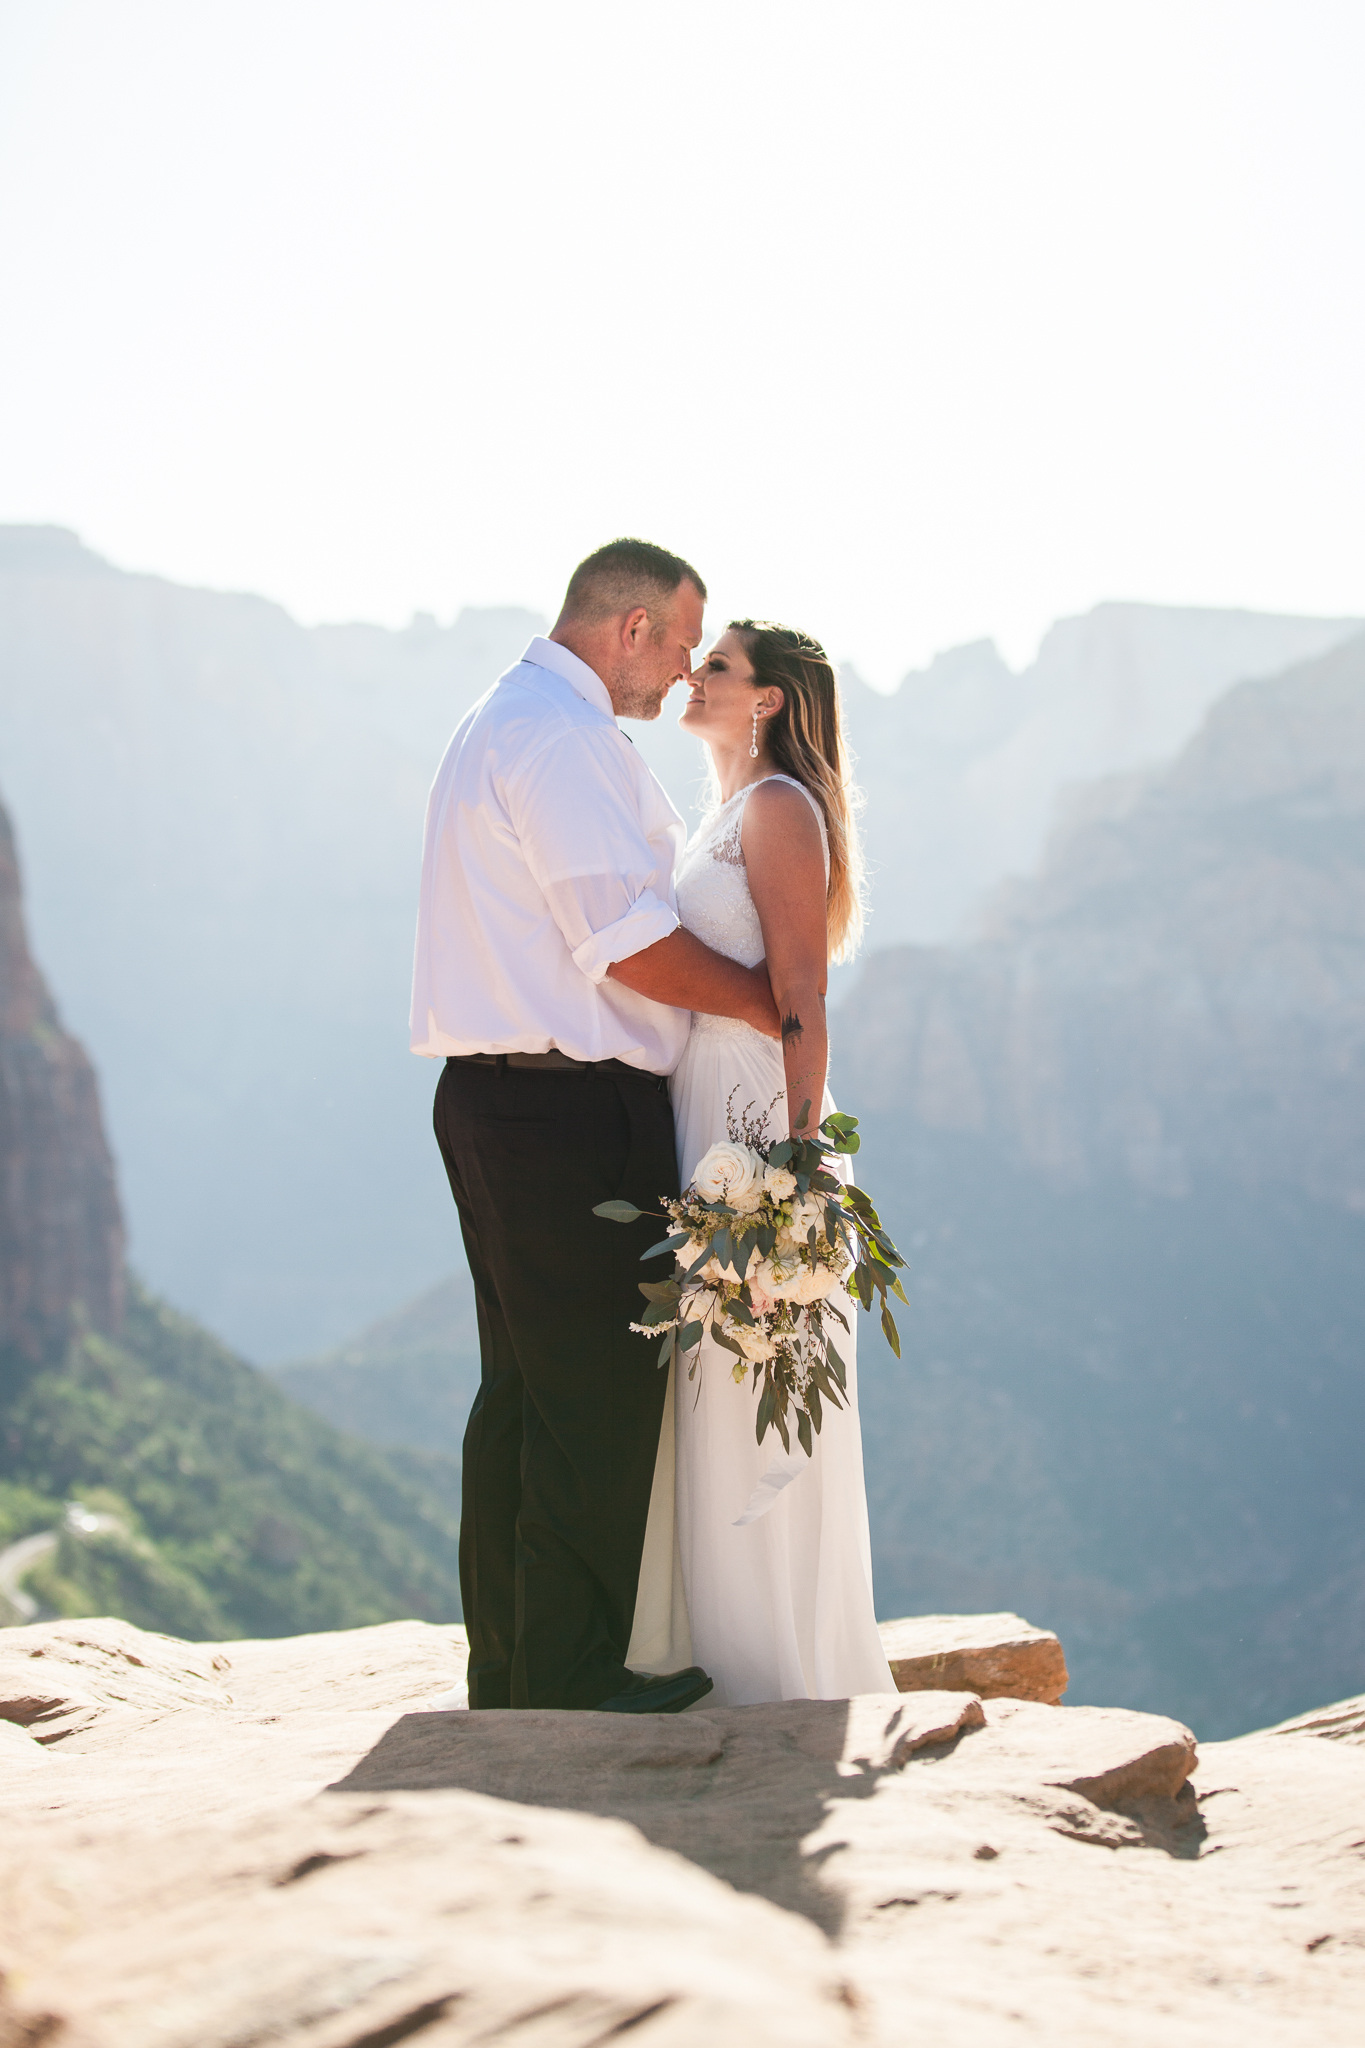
x=753, y=749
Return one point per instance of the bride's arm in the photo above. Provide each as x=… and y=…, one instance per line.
x=786, y=868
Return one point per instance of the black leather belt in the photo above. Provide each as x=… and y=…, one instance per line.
x=553, y=1061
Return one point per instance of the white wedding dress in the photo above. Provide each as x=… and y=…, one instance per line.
x=757, y=1562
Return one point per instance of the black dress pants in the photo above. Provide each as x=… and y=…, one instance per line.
x=560, y=1447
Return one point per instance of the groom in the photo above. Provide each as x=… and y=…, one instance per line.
x=554, y=979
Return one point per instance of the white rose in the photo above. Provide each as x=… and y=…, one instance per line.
x=778, y=1183
x=756, y=1345
x=775, y=1277
x=730, y=1173
x=813, y=1284
x=787, y=1277
x=808, y=1212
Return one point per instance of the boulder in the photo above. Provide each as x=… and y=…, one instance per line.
x=1345, y=1722
x=998, y=1656
x=57, y=1678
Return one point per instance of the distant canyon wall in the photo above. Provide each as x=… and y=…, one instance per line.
x=1181, y=992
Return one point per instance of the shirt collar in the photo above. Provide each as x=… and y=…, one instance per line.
x=562, y=662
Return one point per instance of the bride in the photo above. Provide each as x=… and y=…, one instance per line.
x=757, y=1562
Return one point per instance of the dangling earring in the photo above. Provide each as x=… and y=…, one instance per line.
x=753, y=749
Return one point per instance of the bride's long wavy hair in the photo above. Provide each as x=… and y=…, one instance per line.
x=805, y=739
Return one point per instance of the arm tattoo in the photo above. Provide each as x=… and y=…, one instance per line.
x=791, y=1027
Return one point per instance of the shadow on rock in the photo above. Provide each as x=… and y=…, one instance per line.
x=736, y=1790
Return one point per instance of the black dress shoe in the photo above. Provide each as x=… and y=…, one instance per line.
x=642, y=1694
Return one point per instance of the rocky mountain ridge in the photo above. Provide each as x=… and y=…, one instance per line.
x=1181, y=992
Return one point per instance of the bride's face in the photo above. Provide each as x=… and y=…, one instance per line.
x=722, y=699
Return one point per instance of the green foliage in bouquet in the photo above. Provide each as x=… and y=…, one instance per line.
x=763, y=1238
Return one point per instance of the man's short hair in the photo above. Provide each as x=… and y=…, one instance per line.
x=622, y=576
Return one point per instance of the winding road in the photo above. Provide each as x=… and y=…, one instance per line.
x=18, y=1560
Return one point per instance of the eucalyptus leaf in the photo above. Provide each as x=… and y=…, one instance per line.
x=670, y=1244
x=666, y=1348
x=660, y=1290
x=889, y=1330
x=840, y=1370
x=803, y=1432
x=900, y=1292
x=617, y=1212
x=690, y=1334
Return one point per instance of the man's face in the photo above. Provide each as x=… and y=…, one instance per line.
x=656, y=654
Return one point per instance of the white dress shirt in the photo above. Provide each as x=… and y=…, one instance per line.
x=548, y=854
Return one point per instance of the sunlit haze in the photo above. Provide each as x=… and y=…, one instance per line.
x=910, y=323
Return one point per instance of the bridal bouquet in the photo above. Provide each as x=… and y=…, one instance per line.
x=762, y=1239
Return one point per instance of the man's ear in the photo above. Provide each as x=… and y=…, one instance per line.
x=634, y=628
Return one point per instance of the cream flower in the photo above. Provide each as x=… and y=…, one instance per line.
x=787, y=1277
x=756, y=1345
x=730, y=1173
x=778, y=1183
x=812, y=1283
x=807, y=1213
x=775, y=1276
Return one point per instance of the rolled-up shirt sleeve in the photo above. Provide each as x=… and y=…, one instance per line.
x=575, y=810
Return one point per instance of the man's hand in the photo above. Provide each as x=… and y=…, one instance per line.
x=681, y=971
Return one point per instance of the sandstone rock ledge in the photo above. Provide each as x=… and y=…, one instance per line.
x=279, y=1842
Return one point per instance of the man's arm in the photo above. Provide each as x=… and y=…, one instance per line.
x=681, y=971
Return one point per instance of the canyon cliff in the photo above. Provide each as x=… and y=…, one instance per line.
x=61, y=1232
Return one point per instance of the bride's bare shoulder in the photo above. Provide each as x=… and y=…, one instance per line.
x=780, y=813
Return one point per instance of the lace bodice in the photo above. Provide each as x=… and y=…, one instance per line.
x=713, y=887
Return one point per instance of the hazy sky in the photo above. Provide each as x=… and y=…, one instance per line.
x=909, y=323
